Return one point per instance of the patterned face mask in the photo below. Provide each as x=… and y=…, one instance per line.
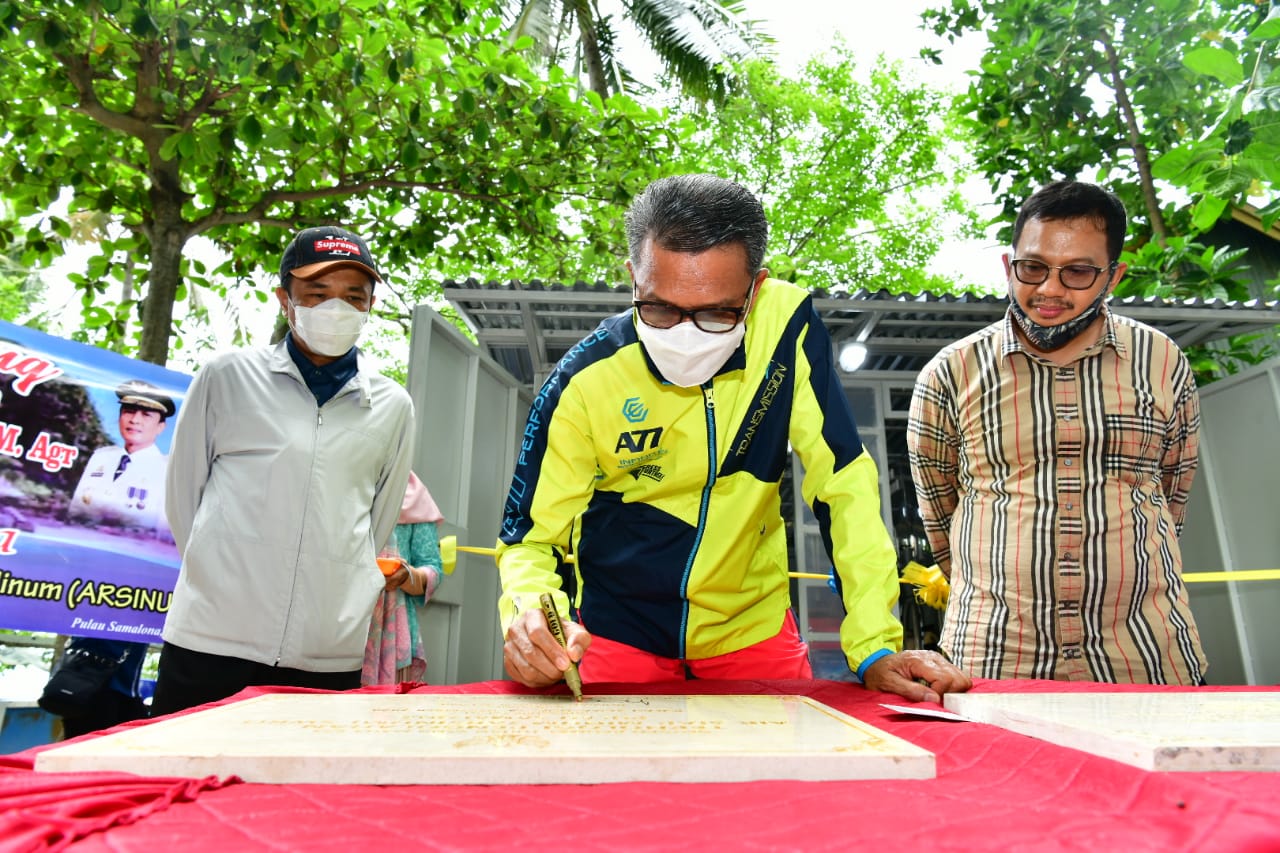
x=1050, y=338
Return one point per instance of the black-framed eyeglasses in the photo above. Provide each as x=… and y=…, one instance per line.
x=1073, y=276
x=717, y=321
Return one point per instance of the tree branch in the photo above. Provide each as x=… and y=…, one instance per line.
x=1140, y=154
x=81, y=76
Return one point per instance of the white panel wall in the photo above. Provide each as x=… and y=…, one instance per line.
x=1233, y=524
x=469, y=413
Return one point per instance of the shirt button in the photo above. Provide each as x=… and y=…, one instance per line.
x=1071, y=506
x=1067, y=462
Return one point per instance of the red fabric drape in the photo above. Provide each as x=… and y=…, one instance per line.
x=995, y=790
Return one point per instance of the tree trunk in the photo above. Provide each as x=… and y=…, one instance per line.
x=591, y=49
x=167, y=235
x=126, y=295
x=1140, y=154
x=162, y=287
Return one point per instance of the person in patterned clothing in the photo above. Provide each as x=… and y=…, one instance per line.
x=1053, y=454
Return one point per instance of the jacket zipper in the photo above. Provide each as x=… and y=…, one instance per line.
x=293, y=590
x=709, y=405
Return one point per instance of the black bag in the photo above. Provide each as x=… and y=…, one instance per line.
x=77, y=679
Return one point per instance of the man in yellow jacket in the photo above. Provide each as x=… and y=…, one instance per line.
x=653, y=454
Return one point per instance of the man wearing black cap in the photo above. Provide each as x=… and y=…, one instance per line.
x=287, y=471
x=123, y=485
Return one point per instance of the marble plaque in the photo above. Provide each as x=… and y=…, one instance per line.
x=1154, y=731
x=453, y=739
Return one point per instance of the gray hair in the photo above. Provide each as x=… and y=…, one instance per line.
x=693, y=213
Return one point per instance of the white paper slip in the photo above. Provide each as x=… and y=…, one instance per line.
x=925, y=712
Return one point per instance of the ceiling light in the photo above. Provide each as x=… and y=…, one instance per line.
x=852, y=356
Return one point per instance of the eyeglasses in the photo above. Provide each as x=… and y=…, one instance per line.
x=1073, y=276
x=660, y=315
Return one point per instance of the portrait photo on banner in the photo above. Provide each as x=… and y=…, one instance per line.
x=85, y=548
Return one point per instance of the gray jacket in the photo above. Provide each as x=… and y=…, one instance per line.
x=278, y=507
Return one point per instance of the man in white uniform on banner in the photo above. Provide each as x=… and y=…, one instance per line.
x=123, y=485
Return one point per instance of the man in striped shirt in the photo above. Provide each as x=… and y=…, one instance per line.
x=1053, y=453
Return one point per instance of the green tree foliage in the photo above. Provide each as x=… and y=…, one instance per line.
x=1066, y=88
x=695, y=40
x=242, y=121
x=18, y=287
x=852, y=174
x=1162, y=100
x=1239, y=155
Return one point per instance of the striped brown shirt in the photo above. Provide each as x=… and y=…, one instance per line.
x=1053, y=496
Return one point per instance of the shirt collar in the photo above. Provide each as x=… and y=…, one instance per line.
x=327, y=380
x=345, y=363
x=1011, y=343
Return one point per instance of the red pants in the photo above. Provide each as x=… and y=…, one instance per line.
x=783, y=656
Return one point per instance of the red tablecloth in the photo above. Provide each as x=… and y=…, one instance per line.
x=994, y=790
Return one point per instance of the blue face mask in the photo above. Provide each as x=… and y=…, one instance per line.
x=1050, y=338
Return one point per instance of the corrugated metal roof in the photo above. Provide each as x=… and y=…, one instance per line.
x=527, y=326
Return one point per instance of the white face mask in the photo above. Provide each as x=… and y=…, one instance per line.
x=686, y=355
x=330, y=328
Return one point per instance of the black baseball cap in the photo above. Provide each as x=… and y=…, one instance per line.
x=316, y=250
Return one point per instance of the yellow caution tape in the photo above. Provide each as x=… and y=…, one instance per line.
x=933, y=588
x=1245, y=575
x=449, y=549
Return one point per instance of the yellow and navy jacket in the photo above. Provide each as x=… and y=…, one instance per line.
x=668, y=497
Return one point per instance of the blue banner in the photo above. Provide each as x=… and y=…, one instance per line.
x=85, y=548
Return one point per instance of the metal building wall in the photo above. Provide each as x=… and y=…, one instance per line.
x=1233, y=524
x=470, y=412
x=469, y=415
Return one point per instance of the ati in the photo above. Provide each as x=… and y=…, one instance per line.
x=638, y=440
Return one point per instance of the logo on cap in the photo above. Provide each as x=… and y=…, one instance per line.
x=315, y=250
x=337, y=246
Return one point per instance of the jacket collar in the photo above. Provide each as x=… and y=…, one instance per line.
x=279, y=361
